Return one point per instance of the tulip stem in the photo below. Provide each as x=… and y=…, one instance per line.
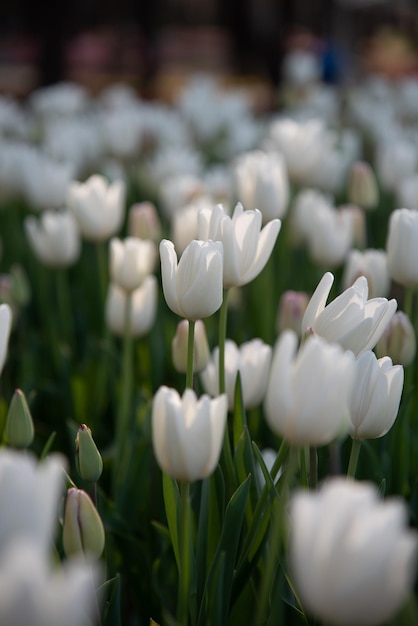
x=352, y=464
x=64, y=307
x=222, y=338
x=185, y=555
x=102, y=269
x=313, y=468
x=122, y=423
x=190, y=353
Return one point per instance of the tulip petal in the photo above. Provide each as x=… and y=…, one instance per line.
x=168, y=275
x=317, y=302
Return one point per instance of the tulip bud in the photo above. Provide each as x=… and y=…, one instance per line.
x=292, y=307
x=180, y=343
x=83, y=531
x=88, y=460
x=19, y=429
x=362, y=186
x=143, y=221
x=358, y=221
x=398, y=341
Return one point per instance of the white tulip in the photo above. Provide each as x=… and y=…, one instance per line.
x=369, y=263
x=252, y=361
x=5, y=328
x=54, y=238
x=395, y=161
x=262, y=183
x=351, y=320
x=246, y=246
x=193, y=286
x=98, y=206
x=187, y=432
x=376, y=396
x=308, y=392
x=143, y=303
x=352, y=557
x=131, y=261
x=399, y=340
x=402, y=247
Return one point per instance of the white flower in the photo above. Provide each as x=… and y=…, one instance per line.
x=143, y=303
x=308, y=393
x=54, y=238
x=193, y=286
x=252, y=360
x=187, y=433
x=97, y=206
x=352, y=557
x=395, y=161
x=246, y=246
x=375, y=397
x=5, y=327
x=43, y=180
x=33, y=592
x=29, y=493
x=402, y=247
x=407, y=192
x=131, y=261
x=399, y=340
x=369, y=263
x=262, y=183
x=351, y=320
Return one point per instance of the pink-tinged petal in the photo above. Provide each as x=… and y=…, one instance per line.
x=265, y=245
x=317, y=302
x=168, y=275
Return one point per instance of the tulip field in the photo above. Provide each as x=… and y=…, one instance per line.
x=208, y=321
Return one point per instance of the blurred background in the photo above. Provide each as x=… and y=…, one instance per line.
x=155, y=45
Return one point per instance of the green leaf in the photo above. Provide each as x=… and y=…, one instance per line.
x=112, y=612
x=240, y=418
x=172, y=508
x=47, y=446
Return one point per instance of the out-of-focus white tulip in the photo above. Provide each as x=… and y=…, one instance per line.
x=185, y=223
x=407, y=192
x=179, y=347
x=395, y=162
x=33, y=591
x=29, y=493
x=352, y=557
x=252, y=361
x=246, y=246
x=98, y=206
x=362, y=186
x=144, y=222
x=358, y=221
x=402, y=247
x=193, y=286
x=54, y=238
x=351, y=320
x=301, y=68
x=131, y=261
x=43, y=181
x=308, y=392
x=262, y=183
x=187, y=432
x=5, y=327
x=373, y=265
x=292, y=307
x=399, y=340
x=329, y=236
x=376, y=395
x=62, y=99
x=143, y=302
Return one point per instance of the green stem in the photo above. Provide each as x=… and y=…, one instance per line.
x=65, y=306
x=123, y=416
x=303, y=452
x=313, y=468
x=102, y=264
x=222, y=338
x=185, y=555
x=352, y=464
x=190, y=353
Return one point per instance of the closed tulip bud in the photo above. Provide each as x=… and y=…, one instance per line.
x=352, y=556
x=362, y=186
x=292, y=307
x=193, y=286
x=376, y=396
x=88, y=459
x=252, y=360
x=308, y=392
x=143, y=221
x=398, y=341
x=83, y=531
x=98, y=207
x=373, y=265
x=19, y=424
x=358, y=221
x=187, y=433
x=402, y=247
x=180, y=343
x=131, y=261
x=351, y=320
x=246, y=246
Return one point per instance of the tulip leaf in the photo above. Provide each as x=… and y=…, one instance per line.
x=47, y=446
x=227, y=551
x=112, y=616
x=240, y=419
x=172, y=508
